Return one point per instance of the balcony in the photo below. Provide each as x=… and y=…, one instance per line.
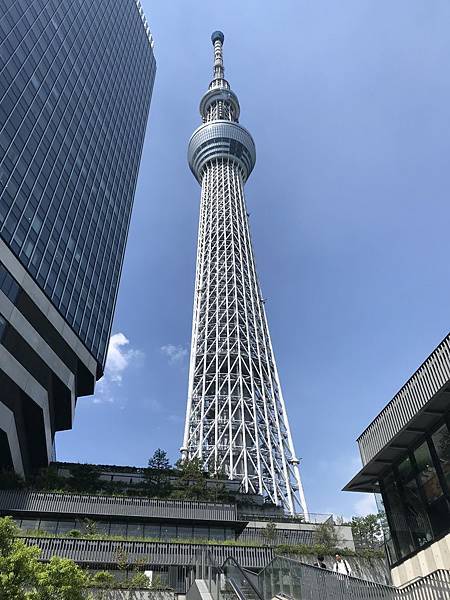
x=24, y=501
x=105, y=553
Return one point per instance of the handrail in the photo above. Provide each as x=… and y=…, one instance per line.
x=438, y=578
x=285, y=575
x=322, y=570
x=243, y=579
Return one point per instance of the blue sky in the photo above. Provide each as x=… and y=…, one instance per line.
x=349, y=106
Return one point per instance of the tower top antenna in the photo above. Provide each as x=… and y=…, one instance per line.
x=217, y=40
x=217, y=36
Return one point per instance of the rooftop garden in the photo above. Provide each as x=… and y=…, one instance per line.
x=184, y=481
x=326, y=541
x=284, y=549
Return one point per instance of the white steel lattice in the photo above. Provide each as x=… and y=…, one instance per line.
x=236, y=420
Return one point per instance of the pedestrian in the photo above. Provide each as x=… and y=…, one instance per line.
x=319, y=562
x=341, y=566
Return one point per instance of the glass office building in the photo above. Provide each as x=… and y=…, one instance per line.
x=406, y=457
x=76, y=80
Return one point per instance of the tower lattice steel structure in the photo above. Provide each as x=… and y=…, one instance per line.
x=236, y=420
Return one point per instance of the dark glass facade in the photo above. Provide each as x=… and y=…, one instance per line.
x=76, y=78
x=416, y=495
x=114, y=527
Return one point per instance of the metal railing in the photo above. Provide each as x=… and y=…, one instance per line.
x=105, y=553
x=226, y=582
x=25, y=501
x=240, y=581
x=435, y=586
x=313, y=518
x=204, y=567
x=305, y=582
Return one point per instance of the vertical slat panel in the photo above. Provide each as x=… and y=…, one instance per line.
x=84, y=504
x=157, y=553
x=426, y=382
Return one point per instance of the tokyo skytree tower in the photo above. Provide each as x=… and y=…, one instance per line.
x=236, y=420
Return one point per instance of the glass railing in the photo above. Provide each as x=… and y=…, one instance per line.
x=288, y=579
x=209, y=574
x=298, y=581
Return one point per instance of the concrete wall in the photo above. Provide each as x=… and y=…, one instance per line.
x=436, y=556
x=292, y=532
x=133, y=595
x=198, y=591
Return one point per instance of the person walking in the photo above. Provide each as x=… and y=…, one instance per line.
x=341, y=566
x=319, y=562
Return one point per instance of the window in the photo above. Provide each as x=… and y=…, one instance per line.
x=396, y=515
x=441, y=442
x=30, y=524
x=201, y=533
x=405, y=469
x=102, y=527
x=152, y=531
x=2, y=326
x=216, y=533
x=427, y=475
x=168, y=532
x=48, y=526
x=135, y=530
x=119, y=529
x=185, y=532
x=65, y=526
x=416, y=514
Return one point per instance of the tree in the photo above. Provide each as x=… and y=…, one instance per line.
x=270, y=533
x=157, y=474
x=367, y=531
x=19, y=565
x=192, y=480
x=48, y=478
x=102, y=581
x=9, y=480
x=122, y=560
x=326, y=535
x=90, y=526
x=157, y=583
x=139, y=581
x=23, y=577
x=61, y=579
x=84, y=478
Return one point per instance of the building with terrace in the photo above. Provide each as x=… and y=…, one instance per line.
x=112, y=524
x=405, y=453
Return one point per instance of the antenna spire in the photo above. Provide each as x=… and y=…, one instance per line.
x=217, y=39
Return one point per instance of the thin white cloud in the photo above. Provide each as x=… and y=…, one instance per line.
x=119, y=358
x=175, y=354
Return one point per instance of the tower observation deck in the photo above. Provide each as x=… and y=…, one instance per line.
x=236, y=420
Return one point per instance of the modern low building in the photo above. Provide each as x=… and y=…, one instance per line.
x=106, y=521
x=406, y=456
x=76, y=81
